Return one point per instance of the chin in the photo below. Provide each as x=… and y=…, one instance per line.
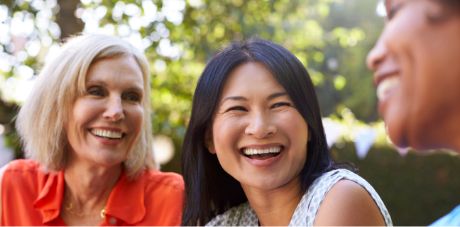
x=397, y=136
x=397, y=141
x=423, y=142
x=417, y=140
x=110, y=161
x=254, y=183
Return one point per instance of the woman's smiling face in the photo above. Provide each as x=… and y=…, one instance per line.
x=106, y=121
x=258, y=135
x=417, y=73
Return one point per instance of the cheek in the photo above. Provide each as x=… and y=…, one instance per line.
x=298, y=138
x=296, y=129
x=294, y=124
x=84, y=111
x=219, y=133
x=225, y=134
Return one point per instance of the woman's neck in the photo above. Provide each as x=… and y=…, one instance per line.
x=87, y=191
x=276, y=206
x=442, y=133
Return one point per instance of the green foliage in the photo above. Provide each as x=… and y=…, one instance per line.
x=331, y=38
x=321, y=33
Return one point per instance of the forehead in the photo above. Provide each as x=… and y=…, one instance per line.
x=122, y=69
x=251, y=75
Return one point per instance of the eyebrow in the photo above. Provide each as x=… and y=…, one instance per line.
x=276, y=95
x=241, y=98
x=387, y=6
x=135, y=87
x=387, y=3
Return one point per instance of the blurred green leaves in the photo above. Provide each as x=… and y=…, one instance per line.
x=330, y=37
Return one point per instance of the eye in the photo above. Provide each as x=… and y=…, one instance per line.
x=132, y=97
x=393, y=10
x=96, y=91
x=236, y=108
x=281, y=104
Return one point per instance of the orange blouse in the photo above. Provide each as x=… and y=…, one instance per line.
x=31, y=196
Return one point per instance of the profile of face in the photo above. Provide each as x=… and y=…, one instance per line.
x=105, y=122
x=258, y=135
x=417, y=74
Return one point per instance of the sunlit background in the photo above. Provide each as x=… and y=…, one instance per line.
x=30, y=35
x=330, y=37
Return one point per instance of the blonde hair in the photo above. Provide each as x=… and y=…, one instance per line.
x=40, y=121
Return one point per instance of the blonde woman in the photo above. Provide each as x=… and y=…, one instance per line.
x=86, y=130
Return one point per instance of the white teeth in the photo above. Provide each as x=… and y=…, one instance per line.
x=384, y=87
x=253, y=151
x=107, y=133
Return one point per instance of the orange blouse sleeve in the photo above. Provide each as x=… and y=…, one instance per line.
x=2, y=170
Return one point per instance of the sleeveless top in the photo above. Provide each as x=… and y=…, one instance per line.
x=305, y=212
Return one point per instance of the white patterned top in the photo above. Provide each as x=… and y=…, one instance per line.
x=305, y=212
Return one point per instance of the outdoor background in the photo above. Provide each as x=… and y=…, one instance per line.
x=331, y=38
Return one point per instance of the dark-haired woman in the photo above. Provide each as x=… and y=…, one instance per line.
x=255, y=151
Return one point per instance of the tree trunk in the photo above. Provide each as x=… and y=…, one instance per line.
x=66, y=19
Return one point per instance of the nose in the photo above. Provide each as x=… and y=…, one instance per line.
x=260, y=126
x=114, y=110
x=376, y=55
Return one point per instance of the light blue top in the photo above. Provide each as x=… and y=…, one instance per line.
x=450, y=219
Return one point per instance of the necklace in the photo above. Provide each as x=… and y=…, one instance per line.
x=69, y=208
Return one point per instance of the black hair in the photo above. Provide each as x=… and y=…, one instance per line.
x=209, y=190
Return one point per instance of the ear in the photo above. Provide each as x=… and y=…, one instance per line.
x=209, y=143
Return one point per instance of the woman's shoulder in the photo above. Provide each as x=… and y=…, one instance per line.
x=327, y=180
x=24, y=179
x=342, y=190
x=354, y=204
x=22, y=165
x=164, y=179
x=24, y=171
x=333, y=176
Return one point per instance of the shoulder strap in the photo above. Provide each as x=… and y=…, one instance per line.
x=2, y=171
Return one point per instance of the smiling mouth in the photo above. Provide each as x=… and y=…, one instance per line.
x=262, y=153
x=385, y=87
x=107, y=134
